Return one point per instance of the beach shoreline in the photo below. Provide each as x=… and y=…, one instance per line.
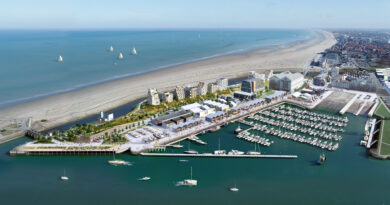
x=59, y=109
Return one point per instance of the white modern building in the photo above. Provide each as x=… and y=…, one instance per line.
x=198, y=109
x=222, y=83
x=286, y=81
x=212, y=88
x=202, y=88
x=153, y=98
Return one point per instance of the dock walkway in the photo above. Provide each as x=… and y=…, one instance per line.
x=218, y=156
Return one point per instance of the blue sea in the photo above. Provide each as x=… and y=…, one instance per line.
x=29, y=67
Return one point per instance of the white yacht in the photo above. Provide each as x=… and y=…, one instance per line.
x=118, y=162
x=189, y=182
x=64, y=177
x=234, y=189
x=144, y=179
x=236, y=152
x=111, y=49
x=189, y=151
x=120, y=56
x=254, y=152
x=133, y=52
x=219, y=151
x=60, y=59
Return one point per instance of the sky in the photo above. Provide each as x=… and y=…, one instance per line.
x=160, y=14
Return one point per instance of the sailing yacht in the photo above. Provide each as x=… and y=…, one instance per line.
x=60, y=59
x=219, y=151
x=133, y=52
x=111, y=49
x=189, y=182
x=189, y=151
x=120, y=56
x=64, y=177
x=118, y=162
x=234, y=189
x=254, y=152
x=177, y=145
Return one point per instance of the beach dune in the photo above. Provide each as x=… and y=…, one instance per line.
x=59, y=109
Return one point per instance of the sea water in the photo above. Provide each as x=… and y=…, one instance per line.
x=29, y=66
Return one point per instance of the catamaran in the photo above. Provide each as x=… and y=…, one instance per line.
x=133, y=52
x=60, y=59
x=64, y=177
x=120, y=56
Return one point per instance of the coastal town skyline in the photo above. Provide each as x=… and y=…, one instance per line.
x=175, y=14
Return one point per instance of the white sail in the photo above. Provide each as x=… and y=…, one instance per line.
x=120, y=56
x=60, y=59
x=111, y=49
x=133, y=52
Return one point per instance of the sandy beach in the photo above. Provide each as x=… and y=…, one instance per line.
x=62, y=108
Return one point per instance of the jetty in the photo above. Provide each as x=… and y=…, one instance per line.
x=218, y=155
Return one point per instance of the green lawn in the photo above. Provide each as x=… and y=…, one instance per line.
x=384, y=139
x=381, y=111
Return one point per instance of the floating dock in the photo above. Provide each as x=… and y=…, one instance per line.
x=218, y=155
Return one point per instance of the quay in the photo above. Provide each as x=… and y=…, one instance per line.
x=218, y=155
x=348, y=105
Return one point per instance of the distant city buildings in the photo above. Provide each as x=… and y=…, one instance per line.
x=364, y=83
x=286, y=81
x=153, y=97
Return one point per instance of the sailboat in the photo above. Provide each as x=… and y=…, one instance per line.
x=254, y=152
x=189, y=151
x=177, y=145
x=133, y=52
x=60, y=59
x=234, y=189
x=111, y=49
x=64, y=177
x=219, y=151
x=144, y=179
x=120, y=56
x=238, y=130
x=189, y=182
x=117, y=161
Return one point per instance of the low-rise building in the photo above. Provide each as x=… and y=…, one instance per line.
x=216, y=116
x=320, y=80
x=173, y=118
x=153, y=97
x=244, y=95
x=216, y=105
